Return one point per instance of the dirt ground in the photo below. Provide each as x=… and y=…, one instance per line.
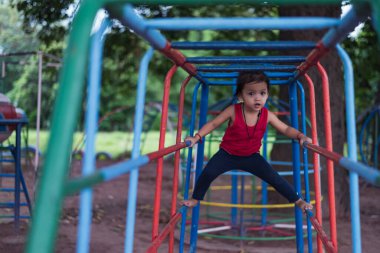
x=109, y=211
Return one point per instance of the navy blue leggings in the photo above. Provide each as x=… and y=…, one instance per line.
x=255, y=164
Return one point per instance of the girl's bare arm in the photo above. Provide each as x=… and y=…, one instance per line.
x=286, y=130
x=212, y=124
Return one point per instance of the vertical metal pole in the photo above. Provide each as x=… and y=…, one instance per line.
x=241, y=222
x=17, y=176
x=38, y=119
x=137, y=130
x=352, y=149
x=305, y=165
x=89, y=164
x=264, y=187
x=49, y=201
x=199, y=167
x=296, y=165
x=160, y=161
x=234, y=198
x=189, y=165
x=177, y=157
x=329, y=146
x=317, y=179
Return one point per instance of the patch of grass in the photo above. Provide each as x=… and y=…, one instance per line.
x=118, y=143
x=115, y=143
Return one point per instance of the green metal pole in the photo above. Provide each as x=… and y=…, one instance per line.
x=50, y=193
x=75, y=185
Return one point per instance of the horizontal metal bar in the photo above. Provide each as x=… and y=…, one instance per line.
x=128, y=17
x=239, y=23
x=353, y=18
x=246, y=68
x=236, y=74
x=231, y=83
x=246, y=59
x=7, y=175
x=245, y=45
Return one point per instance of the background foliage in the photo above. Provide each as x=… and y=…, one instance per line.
x=44, y=25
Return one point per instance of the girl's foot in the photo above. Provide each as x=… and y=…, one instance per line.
x=303, y=205
x=189, y=202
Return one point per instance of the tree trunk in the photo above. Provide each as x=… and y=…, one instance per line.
x=333, y=66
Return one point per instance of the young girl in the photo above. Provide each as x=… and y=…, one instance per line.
x=239, y=150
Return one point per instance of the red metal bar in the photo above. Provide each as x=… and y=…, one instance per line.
x=329, y=147
x=177, y=156
x=311, y=59
x=179, y=59
x=160, y=238
x=324, y=152
x=317, y=177
x=160, y=161
x=165, y=151
x=326, y=242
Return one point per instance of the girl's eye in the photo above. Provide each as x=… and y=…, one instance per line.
x=263, y=93
x=251, y=93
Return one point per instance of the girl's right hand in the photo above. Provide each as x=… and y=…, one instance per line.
x=193, y=140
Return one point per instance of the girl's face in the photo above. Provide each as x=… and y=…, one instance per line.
x=255, y=95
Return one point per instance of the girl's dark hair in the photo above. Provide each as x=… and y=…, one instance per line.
x=250, y=77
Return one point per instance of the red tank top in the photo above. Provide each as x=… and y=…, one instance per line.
x=236, y=141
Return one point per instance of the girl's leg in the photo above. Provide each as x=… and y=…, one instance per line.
x=257, y=165
x=220, y=163
x=217, y=165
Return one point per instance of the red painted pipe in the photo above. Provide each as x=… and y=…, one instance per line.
x=329, y=147
x=312, y=59
x=179, y=59
x=160, y=161
x=164, y=151
x=314, y=137
x=177, y=156
x=326, y=242
x=324, y=152
x=160, y=238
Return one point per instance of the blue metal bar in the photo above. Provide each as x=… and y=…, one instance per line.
x=283, y=23
x=305, y=167
x=296, y=165
x=245, y=45
x=241, y=222
x=93, y=94
x=6, y=175
x=130, y=18
x=247, y=68
x=8, y=190
x=234, y=197
x=282, y=173
x=236, y=74
x=246, y=59
x=138, y=124
x=12, y=204
x=264, y=186
x=16, y=153
x=188, y=167
x=233, y=83
x=357, y=14
x=361, y=135
x=121, y=168
x=351, y=146
x=17, y=158
x=25, y=191
x=199, y=167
